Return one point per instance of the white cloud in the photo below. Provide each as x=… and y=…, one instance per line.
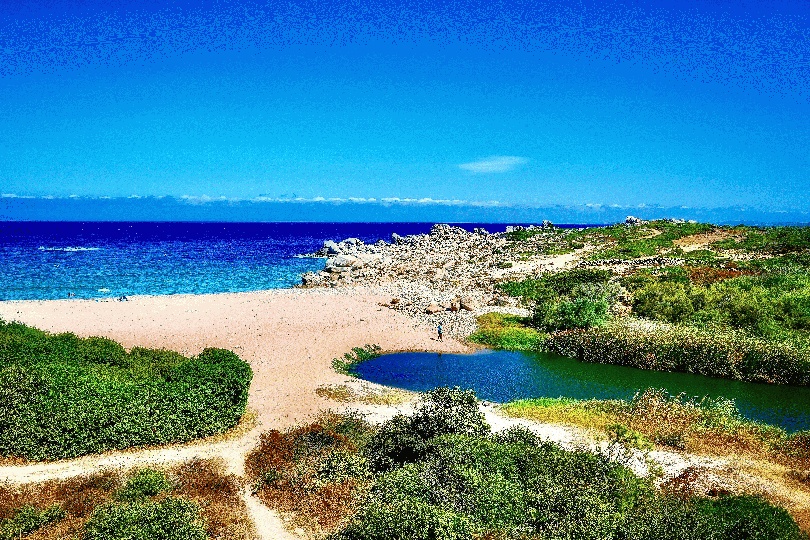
x=494, y=164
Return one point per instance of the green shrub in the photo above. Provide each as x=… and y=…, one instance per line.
x=664, y=301
x=170, y=518
x=143, y=484
x=62, y=396
x=28, y=519
x=457, y=480
x=440, y=411
x=553, y=285
x=566, y=315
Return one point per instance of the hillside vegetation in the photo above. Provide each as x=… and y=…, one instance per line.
x=63, y=396
x=727, y=302
x=441, y=473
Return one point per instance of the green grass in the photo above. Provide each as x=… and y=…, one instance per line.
x=773, y=240
x=62, y=396
x=346, y=365
x=509, y=332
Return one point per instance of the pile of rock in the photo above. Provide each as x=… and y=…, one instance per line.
x=448, y=275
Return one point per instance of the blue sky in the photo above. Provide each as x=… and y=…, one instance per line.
x=698, y=105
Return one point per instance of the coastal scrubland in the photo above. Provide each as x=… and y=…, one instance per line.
x=193, y=501
x=441, y=473
x=740, y=310
x=63, y=396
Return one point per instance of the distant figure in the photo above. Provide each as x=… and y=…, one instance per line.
x=439, y=329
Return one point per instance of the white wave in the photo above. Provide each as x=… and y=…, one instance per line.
x=69, y=248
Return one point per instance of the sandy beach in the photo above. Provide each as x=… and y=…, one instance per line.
x=288, y=336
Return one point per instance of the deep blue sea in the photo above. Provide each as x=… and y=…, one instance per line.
x=48, y=260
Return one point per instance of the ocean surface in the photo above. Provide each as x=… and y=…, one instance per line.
x=50, y=260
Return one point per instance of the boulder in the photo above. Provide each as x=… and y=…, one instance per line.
x=468, y=304
x=455, y=305
x=332, y=248
x=633, y=220
x=352, y=242
x=343, y=261
x=368, y=258
x=433, y=308
x=547, y=224
x=309, y=279
x=397, y=239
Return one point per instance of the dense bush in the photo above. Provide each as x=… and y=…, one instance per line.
x=27, y=520
x=441, y=411
x=143, y=484
x=446, y=476
x=62, y=396
x=171, y=518
x=569, y=314
x=676, y=348
x=554, y=285
x=769, y=303
x=577, y=298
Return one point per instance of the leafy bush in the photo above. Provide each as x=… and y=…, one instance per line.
x=553, y=285
x=664, y=302
x=171, y=518
x=357, y=355
x=27, y=520
x=569, y=314
x=463, y=482
x=441, y=411
x=62, y=396
x=143, y=484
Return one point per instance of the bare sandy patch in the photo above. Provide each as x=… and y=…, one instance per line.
x=704, y=240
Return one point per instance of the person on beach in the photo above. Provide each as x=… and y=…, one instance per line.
x=439, y=329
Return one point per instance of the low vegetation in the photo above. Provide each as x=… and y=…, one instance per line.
x=708, y=426
x=194, y=501
x=667, y=347
x=347, y=364
x=510, y=332
x=441, y=473
x=62, y=396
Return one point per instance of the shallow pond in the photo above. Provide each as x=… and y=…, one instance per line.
x=505, y=376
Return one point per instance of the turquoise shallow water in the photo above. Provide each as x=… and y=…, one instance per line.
x=505, y=376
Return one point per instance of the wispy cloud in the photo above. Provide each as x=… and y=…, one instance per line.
x=494, y=164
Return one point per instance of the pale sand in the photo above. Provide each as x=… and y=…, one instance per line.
x=289, y=337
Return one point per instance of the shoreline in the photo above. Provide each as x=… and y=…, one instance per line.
x=288, y=336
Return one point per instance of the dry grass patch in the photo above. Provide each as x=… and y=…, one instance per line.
x=370, y=396
x=312, y=474
x=200, y=481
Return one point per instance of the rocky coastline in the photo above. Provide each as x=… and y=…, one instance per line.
x=448, y=276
